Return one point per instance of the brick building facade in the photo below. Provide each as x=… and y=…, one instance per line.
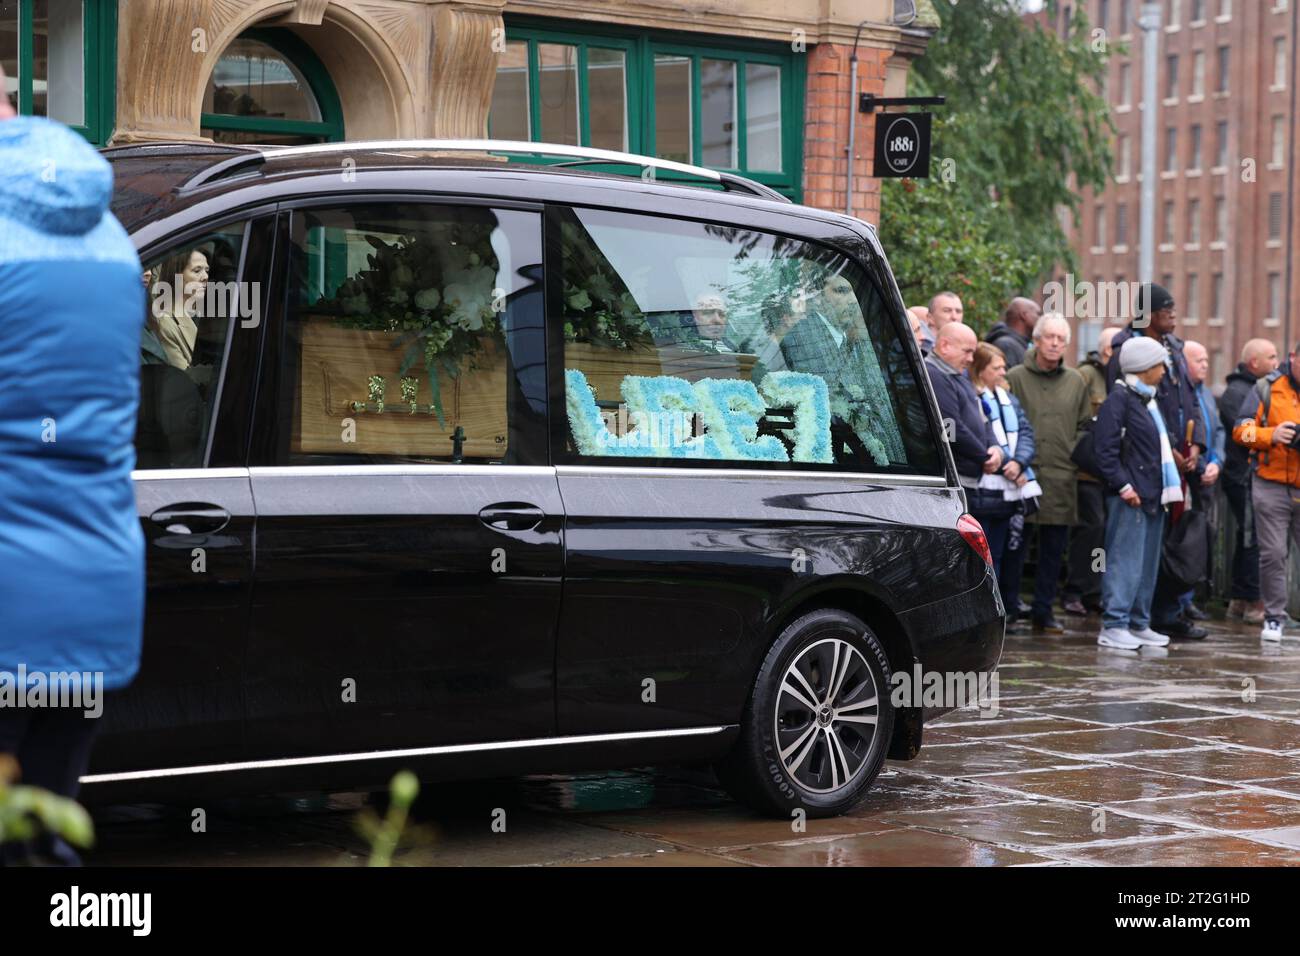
x=1225, y=227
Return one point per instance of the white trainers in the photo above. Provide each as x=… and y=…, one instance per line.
x=1118, y=637
x=1272, y=630
x=1148, y=636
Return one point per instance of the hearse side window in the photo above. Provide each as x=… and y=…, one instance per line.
x=193, y=299
x=688, y=341
x=399, y=334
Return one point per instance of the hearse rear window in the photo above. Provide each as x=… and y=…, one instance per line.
x=690, y=342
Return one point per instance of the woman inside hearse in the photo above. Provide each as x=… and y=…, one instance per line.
x=177, y=298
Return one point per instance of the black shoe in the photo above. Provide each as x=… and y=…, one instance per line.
x=1049, y=625
x=1075, y=607
x=1194, y=613
x=1181, y=629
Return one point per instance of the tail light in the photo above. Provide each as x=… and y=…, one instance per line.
x=973, y=534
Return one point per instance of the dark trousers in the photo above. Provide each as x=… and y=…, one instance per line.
x=995, y=531
x=1082, y=582
x=994, y=515
x=1051, y=553
x=52, y=746
x=1245, y=547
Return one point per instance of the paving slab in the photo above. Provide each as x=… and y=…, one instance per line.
x=891, y=848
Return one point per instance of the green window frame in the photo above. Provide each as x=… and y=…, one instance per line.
x=330, y=126
x=99, y=64
x=640, y=51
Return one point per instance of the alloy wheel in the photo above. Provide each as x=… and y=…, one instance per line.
x=826, y=714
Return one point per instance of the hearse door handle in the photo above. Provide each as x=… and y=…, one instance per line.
x=191, y=518
x=512, y=516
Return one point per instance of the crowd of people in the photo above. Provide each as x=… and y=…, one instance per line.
x=1114, y=468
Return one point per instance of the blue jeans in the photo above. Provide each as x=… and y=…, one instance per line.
x=1133, y=540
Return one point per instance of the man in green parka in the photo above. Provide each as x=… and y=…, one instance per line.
x=1058, y=403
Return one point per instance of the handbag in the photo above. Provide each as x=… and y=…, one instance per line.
x=1187, y=551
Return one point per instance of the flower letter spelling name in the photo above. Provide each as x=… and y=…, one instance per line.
x=589, y=431
x=731, y=409
x=662, y=407
x=808, y=396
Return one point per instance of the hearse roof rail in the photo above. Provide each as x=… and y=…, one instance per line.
x=124, y=150
x=250, y=157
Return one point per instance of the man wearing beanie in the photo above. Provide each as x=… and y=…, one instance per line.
x=71, y=548
x=1140, y=480
x=1176, y=399
x=1268, y=428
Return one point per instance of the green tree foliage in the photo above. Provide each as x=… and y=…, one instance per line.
x=937, y=243
x=1022, y=130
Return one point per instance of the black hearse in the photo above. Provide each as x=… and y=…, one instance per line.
x=485, y=467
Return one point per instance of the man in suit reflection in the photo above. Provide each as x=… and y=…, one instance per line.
x=822, y=342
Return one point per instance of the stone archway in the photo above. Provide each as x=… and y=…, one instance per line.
x=378, y=55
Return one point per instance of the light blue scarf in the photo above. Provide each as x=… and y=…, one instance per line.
x=1001, y=414
x=1170, y=480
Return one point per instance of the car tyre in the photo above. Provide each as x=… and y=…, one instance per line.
x=817, y=724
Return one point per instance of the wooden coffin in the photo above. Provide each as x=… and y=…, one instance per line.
x=337, y=364
x=605, y=369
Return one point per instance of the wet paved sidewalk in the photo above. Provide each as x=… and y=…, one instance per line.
x=1095, y=757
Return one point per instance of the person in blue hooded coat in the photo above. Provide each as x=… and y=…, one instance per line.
x=71, y=548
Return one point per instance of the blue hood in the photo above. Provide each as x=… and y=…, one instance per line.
x=52, y=181
x=71, y=308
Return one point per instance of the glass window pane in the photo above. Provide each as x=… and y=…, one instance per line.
x=9, y=48
x=763, y=116
x=252, y=79
x=400, y=316
x=557, y=65
x=673, y=108
x=509, y=116
x=718, y=113
x=260, y=137
x=607, y=98
x=685, y=341
x=194, y=299
x=58, y=55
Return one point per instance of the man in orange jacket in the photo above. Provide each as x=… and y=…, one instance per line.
x=1267, y=425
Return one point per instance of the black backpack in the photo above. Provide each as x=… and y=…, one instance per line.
x=1085, y=449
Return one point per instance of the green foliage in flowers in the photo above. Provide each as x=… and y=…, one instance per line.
x=1022, y=132
x=436, y=290
x=598, y=308
x=25, y=812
